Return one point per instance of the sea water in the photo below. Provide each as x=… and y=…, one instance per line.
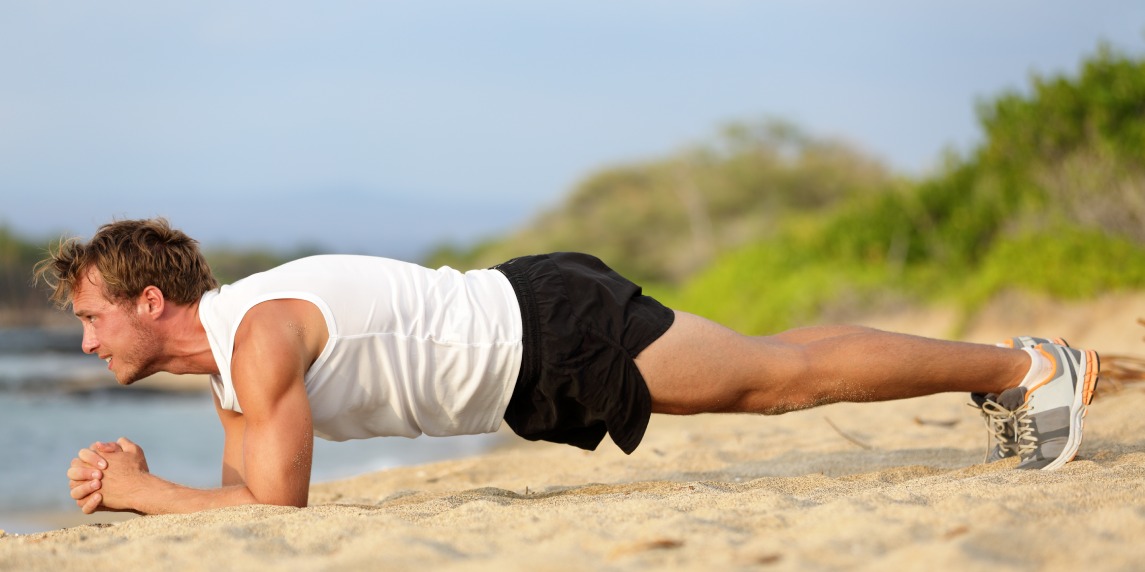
x=42, y=427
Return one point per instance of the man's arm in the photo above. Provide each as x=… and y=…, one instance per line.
x=89, y=463
x=269, y=365
x=126, y=485
x=275, y=345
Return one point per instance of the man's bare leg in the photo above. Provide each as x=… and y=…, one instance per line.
x=699, y=366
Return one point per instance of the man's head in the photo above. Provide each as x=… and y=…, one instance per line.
x=119, y=284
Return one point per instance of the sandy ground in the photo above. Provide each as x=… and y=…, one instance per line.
x=895, y=485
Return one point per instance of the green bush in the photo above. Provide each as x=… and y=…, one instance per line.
x=778, y=284
x=1066, y=262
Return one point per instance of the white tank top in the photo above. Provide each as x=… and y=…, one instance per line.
x=411, y=350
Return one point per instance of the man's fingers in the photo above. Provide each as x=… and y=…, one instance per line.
x=84, y=473
x=127, y=445
x=85, y=489
x=110, y=447
x=92, y=458
x=106, y=447
x=92, y=503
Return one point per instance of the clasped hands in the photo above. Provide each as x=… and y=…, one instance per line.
x=104, y=476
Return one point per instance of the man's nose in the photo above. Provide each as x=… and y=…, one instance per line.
x=90, y=343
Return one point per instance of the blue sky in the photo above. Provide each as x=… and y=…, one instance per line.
x=387, y=127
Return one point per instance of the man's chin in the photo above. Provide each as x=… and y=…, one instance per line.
x=128, y=378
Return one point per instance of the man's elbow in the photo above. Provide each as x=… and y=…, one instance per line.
x=298, y=501
x=294, y=502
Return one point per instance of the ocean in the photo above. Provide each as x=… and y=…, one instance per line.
x=45, y=421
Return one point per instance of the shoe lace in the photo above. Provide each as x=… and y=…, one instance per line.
x=999, y=427
x=1024, y=439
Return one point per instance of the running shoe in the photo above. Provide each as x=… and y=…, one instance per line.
x=1000, y=442
x=1048, y=414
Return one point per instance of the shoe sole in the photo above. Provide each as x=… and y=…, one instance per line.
x=1083, y=395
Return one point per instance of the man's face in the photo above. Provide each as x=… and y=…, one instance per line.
x=114, y=331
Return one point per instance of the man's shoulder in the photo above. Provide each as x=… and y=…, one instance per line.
x=292, y=316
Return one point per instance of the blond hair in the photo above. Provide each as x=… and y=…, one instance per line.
x=130, y=256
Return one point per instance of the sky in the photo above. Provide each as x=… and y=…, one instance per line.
x=390, y=127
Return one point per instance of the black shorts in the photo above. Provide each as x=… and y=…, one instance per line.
x=583, y=326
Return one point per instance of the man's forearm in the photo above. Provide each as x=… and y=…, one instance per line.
x=159, y=496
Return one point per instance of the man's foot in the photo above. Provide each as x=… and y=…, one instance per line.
x=1048, y=413
x=999, y=420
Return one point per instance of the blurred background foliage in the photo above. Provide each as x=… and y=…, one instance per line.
x=768, y=227
x=664, y=220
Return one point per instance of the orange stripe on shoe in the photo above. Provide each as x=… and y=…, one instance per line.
x=1053, y=373
x=1092, y=367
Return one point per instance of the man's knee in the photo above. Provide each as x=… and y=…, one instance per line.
x=701, y=367
x=783, y=386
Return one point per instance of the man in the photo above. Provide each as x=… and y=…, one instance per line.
x=558, y=346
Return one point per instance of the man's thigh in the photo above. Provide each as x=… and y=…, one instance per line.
x=699, y=366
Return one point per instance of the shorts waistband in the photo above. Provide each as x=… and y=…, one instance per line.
x=516, y=270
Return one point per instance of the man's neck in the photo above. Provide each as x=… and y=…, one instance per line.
x=187, y=349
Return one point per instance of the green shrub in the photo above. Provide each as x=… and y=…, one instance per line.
x=1065, y=262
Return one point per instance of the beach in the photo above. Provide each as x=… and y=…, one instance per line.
x=732, y=492
x=896, y=485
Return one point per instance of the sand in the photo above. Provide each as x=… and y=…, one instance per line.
x=896, y=485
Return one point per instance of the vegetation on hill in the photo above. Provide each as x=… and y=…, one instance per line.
x=1052, y=201
x=19, y=304
x=661, y=221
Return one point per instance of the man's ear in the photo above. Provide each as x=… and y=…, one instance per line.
x=151, y=302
